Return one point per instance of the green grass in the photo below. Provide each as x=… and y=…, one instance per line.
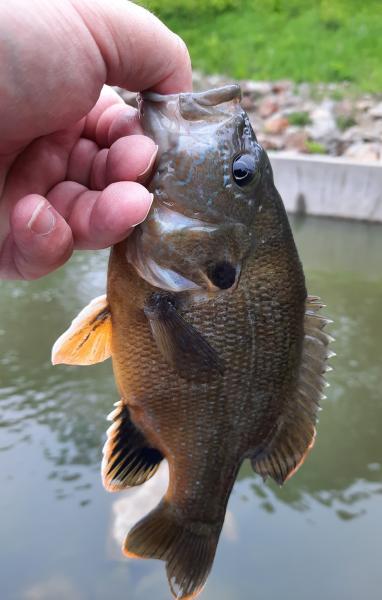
x=299, y=118
x=315, y=147
x=302, y=40
x=344, y=122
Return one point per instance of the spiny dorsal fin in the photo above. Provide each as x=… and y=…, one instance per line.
x=128, y=459
x=188, y=548
x=88, y=339
x=295, y=433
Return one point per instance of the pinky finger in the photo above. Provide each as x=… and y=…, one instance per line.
x=40, y=240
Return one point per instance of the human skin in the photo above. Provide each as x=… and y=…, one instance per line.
x=73, y=158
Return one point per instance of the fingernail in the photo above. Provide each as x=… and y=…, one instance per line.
x=151, y=196
x=142, y=176
x=42, y=220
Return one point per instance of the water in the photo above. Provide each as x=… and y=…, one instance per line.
x=318, y=537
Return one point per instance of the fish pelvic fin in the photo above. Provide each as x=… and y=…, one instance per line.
x=295, y=432
x=128, y=459
x=88, y=339
x=187, y=547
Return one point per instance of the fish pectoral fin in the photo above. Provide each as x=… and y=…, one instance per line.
x=128, y=459
x=181, y=345
x=88, y=339
x=295, y=433
x=188, y=548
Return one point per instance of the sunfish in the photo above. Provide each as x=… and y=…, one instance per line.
x=217, y=350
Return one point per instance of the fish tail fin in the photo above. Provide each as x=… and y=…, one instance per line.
x=188, y=548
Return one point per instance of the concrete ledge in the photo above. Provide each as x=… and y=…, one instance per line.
x=335, y=187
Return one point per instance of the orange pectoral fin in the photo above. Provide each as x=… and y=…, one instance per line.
x=88, y=339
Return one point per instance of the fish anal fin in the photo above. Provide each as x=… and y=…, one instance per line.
x=188, y=548
x=128, y=459
x=284, y=455
x=181, y=345
x=88, y=339
x=294, y=435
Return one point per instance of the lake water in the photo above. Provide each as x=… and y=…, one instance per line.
x=318, y=537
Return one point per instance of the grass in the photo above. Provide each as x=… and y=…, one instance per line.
x=299, y=118
x=344, y=122
x=315, y=147
x=302, y=40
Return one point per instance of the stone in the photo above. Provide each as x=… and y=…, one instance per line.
x=296, y=140
x=276, y=124
x=376, y=111
x=248, y=103
x=267, y=107
x=368, y=152
x=271, y=142
x=353, y=134
x=323, y=124
x=256, y=88
x=283, y=85
x=344, y=108
x=364, y=104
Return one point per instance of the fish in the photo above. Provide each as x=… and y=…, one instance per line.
x=219, y=354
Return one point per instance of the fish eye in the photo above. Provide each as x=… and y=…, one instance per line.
x=222, y=275
x=243, y=169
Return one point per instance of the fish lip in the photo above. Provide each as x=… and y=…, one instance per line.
x=225, y=93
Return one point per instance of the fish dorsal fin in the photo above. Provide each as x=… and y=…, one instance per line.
x=88, y=339
x=128, y=459
x=295, y=432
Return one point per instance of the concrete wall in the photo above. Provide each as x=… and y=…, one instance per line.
x=320, y=185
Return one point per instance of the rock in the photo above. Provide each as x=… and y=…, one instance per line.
x=364, y=104
x=364, y=152
x=351, y=135
x=271, y=142
x=344, y=108
x=282, y=86
x=323, y=124
x=248, y=103
x=256, y=122
x=267, y=107
x=296, y=140
x=304, y=90
x=376, y=111
x=291, y=102
x=256, y=88
x=372, y=132
x=276, y=124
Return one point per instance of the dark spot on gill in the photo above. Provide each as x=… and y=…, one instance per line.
x=222, y=275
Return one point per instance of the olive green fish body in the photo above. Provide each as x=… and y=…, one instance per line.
x=206, y=428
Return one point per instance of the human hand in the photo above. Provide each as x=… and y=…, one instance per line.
x=72, y=155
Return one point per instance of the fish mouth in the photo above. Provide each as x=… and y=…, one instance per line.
x=213, y=97
x=196, y=105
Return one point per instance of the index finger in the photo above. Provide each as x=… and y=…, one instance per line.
x=138, y=50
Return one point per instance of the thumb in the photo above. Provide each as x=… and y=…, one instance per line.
x=138, y=50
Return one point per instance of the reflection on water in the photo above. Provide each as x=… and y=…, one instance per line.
x=320, y=532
